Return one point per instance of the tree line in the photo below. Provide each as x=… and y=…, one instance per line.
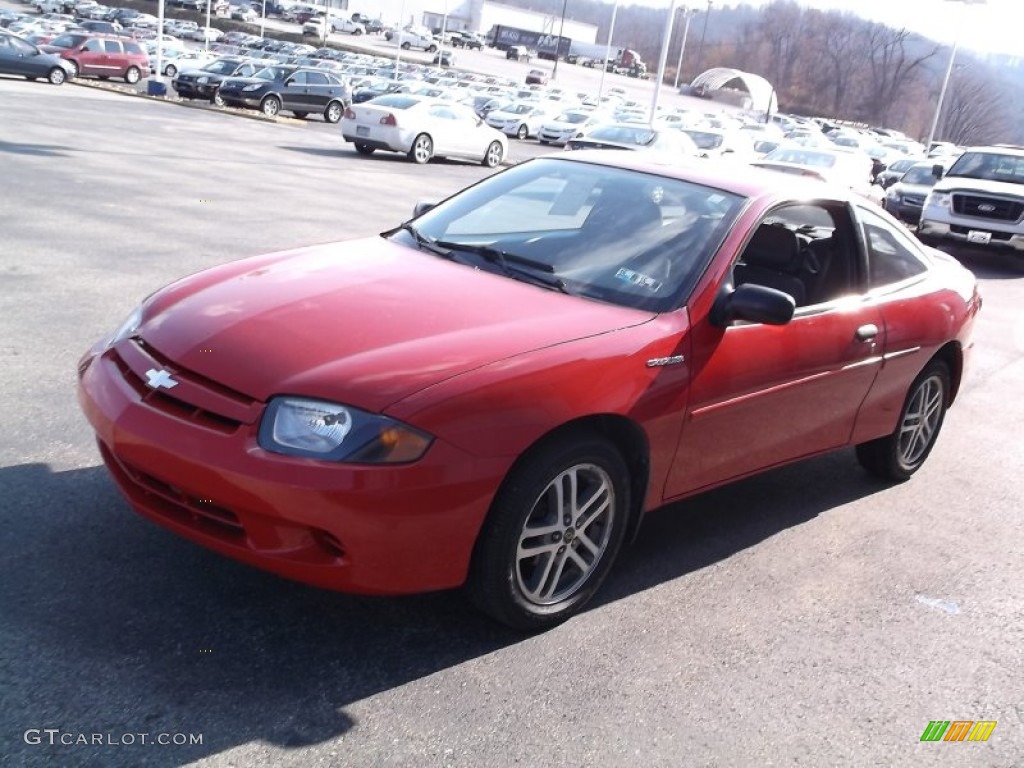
x=825, y=63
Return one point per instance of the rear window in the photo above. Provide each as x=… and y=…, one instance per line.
x=624, y=134
x=395, y=101
x=133, y=48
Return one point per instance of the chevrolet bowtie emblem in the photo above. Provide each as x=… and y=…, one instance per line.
x=161, y=378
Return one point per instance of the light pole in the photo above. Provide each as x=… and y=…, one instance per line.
x=558, y=42
x=206, y=32
x=949, y=72
x=703, y=34
x=398, y=38
x=662, y=60
x=687, y=14
x=607, y=53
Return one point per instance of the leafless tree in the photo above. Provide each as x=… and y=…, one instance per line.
x=974, y=111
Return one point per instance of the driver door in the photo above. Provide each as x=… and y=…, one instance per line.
x=762, y=395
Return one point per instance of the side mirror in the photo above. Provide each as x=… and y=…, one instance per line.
x=753, y=303
x=422, y=207
x=938, y=171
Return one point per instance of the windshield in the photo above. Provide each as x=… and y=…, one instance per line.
x=922, y=174
x=899, y=166
x=989, y=166
x=67, y=41
x=706, y=140
x=802, y=157
x=272, y=73
x=630, y=238
x=574, y=118
x=624, y=134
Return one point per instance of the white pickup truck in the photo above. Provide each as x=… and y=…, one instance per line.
x=978, y=202
x=413, y=38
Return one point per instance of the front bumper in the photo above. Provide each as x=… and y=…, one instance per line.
x=972, y=236
x=353, y=528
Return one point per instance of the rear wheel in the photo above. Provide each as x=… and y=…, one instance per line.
x=364, y=149
x=405, y=46
x=901, y=454
x=217, y=99
x=56, y=76
x=495, y=154
x=432, y=49
x=552, y=533
x=271, y=106
x=334, y=112
x=132, y=75
x=422, y=149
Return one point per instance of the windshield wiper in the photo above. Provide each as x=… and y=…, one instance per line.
x=425, y=243
x=507, y=261
x=497, y=256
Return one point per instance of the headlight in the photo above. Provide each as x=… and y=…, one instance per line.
x=940, y=199
x=253, y=87
x=203, y=80
x=128, y=327
x=322, y=430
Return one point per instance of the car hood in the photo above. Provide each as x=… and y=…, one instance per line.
x=911, y=189
x=367, y=322
x=244, y=81
x=956, y=183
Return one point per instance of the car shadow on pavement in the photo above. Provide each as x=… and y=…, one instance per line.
x=395, y=157
x=992, y=265
x=114, y=626
x=42, y=150
x=685, y=536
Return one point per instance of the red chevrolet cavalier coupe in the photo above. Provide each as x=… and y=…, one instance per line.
x=495, y=392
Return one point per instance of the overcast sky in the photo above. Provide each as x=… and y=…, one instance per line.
x=997, y=25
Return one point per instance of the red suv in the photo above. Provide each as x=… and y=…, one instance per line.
x=101, y=55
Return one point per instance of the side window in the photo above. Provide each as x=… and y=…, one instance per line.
x=892, y=256
x=299, y=78
x=93, y=46
x=804, y=250
x=112, y=46
x=316, y=78
x=20, y=46
x=132, y=48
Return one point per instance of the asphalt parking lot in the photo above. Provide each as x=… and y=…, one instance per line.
x=809, y=616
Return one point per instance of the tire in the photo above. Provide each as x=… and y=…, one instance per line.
x=132, y=75
x=432, y=49
x=357, y=32
x=217, y=100
x=422, y=149
x=364, y=149
x=171, y=70
x=334, y=112
x=56, y=76
x=899, y=455
x=405, y=46
x=74, y=68
x=538, y=509
x=300, y=115
x=522, y=132
x=271, y=106
x=495, y=154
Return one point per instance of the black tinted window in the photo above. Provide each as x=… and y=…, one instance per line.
x=892, y=256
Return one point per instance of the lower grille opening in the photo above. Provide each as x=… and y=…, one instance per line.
x=329, y=543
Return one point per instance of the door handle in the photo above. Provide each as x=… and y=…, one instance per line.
x=867, y=332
